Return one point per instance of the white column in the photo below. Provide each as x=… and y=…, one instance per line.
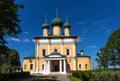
x=64, y=67
x=48, y=66
x=36, y=57
x=44, y=67
x=60, y=65
x=74, y=54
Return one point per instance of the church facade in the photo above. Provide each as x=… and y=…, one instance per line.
x=56, y=52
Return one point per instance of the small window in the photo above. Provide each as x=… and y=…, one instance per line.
x=79, y=66
x=43, y=67
x=86, y=66
x=24, y=66
x=44, y=52
x=31, y=66
x=55, y=50
x=67, y=51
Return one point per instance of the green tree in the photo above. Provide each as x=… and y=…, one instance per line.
x=110, y=53
x=113, y=45
x=9, y=19
x=103, y=58
x=10, y=61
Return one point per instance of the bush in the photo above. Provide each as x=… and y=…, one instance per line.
x=97, y=75
x=11, y=76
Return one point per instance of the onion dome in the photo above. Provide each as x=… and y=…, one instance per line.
x=45, y=25
x=57, y=22
x=67, y=23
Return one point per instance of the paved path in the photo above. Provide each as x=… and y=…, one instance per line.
x=60, y=77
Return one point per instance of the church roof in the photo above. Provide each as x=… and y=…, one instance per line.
x=51, y=36
x=32, y=56
x=57, y=22
x=45, y=25
x=79, y=55
x=67, y=25
x=55, y=55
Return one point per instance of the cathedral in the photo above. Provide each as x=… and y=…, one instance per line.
x=56, y=52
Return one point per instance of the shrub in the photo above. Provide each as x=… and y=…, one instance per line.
x=97, y=75
x=11, y=76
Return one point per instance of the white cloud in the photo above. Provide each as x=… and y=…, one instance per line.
x=92, y=46
x=102, y=21
x=79, y=39
x=26, y=40
x=15, y=39
x=33, y=40
x=83, y=22
x=25, y=32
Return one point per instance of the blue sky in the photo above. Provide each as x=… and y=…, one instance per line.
x=91, y=20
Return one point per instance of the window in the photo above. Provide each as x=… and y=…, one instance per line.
x=67, y=52
x=43, y=67
x=24, y=66
x=44, y=52
x=86, y=66
x=31, y=66
x=55, y=50
x=79, y=66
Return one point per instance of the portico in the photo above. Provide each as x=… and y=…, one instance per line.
x=55, y=62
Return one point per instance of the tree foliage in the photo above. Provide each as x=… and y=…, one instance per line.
x=110, y=53
x=10, y=61
x=9, y=19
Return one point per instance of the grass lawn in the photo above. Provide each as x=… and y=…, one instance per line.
x=72, y=78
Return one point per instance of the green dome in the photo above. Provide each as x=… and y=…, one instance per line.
x=67, y=25
x=57, y=21
x=45, y=25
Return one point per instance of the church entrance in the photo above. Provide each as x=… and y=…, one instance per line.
x=55, y=65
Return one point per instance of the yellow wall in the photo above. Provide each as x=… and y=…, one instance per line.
x=40, y=63
x=83, y=61
x=70, y=59
x=40, y=48
x=67, y=32
x=27, y=63
x=45, y=32
x=56, y=30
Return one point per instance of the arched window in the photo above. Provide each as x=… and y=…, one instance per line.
x=67, y=52
x=42, y=66
x=86, y=66
x=44, y=52
x=80, y=66
x=31, y=66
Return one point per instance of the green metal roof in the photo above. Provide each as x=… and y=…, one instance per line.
x=79, y=55
x=67, y=25
x=45, y=25
x=57, y=22
x=32, y=56
x=55, y=53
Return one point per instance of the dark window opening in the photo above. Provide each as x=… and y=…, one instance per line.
x=79, y=66
x=68, y=52
x=55, y=50
x=86, y=66
x=44, y=52
x=31, y=66
x=43, y=67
